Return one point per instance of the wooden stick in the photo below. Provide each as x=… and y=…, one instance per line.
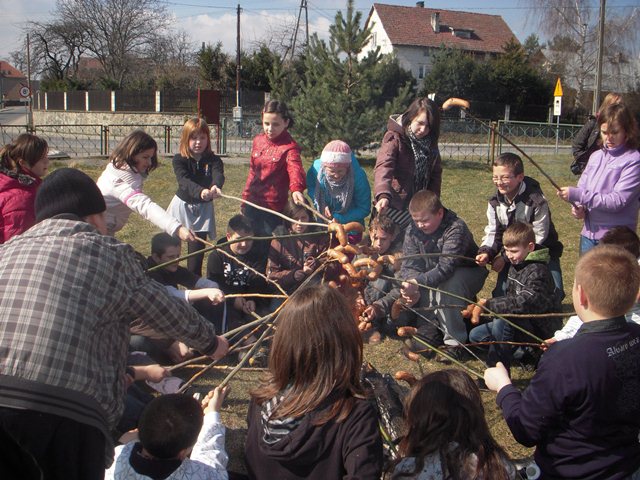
x=258, y=295
x=510, y=315
x=315, y=212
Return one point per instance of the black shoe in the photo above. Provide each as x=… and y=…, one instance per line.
x=457, y=353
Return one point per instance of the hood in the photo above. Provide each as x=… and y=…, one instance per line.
x=540, y=255
x=394, y=124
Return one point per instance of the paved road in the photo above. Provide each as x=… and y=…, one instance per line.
x=13, y=116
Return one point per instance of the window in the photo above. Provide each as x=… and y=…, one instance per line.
x=422, y=71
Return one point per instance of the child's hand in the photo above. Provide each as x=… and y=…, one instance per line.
x=155, y=373
x=298, y=198
x=498, y=264
x=215, y=192
x=213, y=401
x=409, y=299
x=179, y=352
x=205, y=195
x=482, y=259
x=409, y=288
x=215, y=295
x=186, y=235
x=327, y=213
x=244, y=305
x=372, y=312
x=563, y=193
x=221, y=350
x=547, y=343
x=382, y=204
x=578, y=211
x=497, y=377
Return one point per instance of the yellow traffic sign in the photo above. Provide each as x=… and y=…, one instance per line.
x=558, y=91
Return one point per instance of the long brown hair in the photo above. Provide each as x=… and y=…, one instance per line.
x=27, y=147
x=418, y=106
x=316, y=353
x=134, y=143
x=620, y=114
x=445, y=407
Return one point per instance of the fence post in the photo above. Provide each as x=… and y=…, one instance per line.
x=86, y=101
x=64, y=101
x=158, y=104
x=113, y=101
x=104, y=133
x=167, y=135
x=46, y=100
x=222, y=136
x=492, y=142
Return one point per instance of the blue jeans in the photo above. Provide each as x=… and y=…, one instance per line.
x=586, y=244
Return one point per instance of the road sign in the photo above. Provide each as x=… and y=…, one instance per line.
x=558, y=90
x=557, y=106
x=25, y=92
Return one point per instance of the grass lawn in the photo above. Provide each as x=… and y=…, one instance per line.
x=465, y=189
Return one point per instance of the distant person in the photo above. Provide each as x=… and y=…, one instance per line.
x=200, y=176
x=408, y=160
x=588, y=140
x=121, y=184
x=309, y=418
x=275, y=169
x=67, y=294
x=608, y=192
x=23, y=163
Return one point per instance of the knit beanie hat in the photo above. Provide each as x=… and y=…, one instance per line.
x=336, y=152
x=68, y=190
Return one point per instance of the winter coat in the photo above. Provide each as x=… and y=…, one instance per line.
x=529, y=206
x=360, y=203
x=195, y=175
x=609, y=189
x=395, y=168
x=584, y=144
x=17, y=203
x=274, y=170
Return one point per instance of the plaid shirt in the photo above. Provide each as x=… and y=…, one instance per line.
x=67, y=296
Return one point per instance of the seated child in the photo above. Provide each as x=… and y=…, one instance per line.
x=582, y=409
x=517, y=199
x=292, y=260
x=176, y=441
x=233, y=277
x=339, y=187
x=447, y=432
x=623, y=237
x=530, y=289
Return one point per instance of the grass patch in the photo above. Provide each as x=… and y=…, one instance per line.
x=465, y=189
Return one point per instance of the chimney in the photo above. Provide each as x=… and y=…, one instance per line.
x=420, y=4
x=435, y=22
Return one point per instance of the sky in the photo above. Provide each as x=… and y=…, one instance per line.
x=211, y=21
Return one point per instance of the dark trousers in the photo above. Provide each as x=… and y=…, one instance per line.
x=194, y=264
x=63, y=448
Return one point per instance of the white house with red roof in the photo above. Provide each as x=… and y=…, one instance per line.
x=415, y=33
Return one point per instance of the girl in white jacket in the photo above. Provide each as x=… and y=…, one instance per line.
x=121, y=185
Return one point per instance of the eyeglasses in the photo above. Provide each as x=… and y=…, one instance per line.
x=502, y=178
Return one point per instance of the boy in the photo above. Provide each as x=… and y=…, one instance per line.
x=517, y=198
x=436, y=230
x=234, y=277
x=530, y=289
x=176, y=442
x=582, y=409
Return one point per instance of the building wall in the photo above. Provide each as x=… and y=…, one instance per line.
x=58, y=117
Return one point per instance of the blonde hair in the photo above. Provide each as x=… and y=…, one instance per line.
x=425, y=201
x=518, y=234
x=192, y=127
x=610, y=278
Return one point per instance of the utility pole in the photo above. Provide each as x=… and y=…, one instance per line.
x=237, y=111
x=306, y=20
x=295, y=32
x=598, y=85
x=30, y=98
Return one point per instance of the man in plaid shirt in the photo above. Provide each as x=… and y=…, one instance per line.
x=67, y=296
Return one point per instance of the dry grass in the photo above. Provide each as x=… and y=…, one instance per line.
x=466, y=187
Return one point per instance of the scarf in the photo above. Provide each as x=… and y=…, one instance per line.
x=275, y=430
x=335, y=195
x=421, y=148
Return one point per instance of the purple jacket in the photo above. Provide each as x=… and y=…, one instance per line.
x=609, y=189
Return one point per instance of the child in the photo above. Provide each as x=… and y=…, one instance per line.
x=448, y=435
x=176, y=441
x=292, y=260
x=23, y=163
x=233, y=277
x=530, y=289
x=625, y=238
x=121, y=185
x=339, y=187
x=309, y=418
x=408, y=160
x=200, y=176
x=517, y=199
x=275, y=169
x=609, y=189
x=582, y=410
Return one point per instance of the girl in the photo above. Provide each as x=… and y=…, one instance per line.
x=291, y=260
x=309, y=418
x=408, y=160
x=200, y=176
x=121, y=185
x=275, y=168
x=448, y=435
x=609, y=189
x=23, y=163
x=339, y=187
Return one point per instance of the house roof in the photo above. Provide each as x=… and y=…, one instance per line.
x=9, y=71
x=412, y=26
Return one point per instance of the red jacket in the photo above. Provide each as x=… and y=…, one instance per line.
x=275, y=169
x=17, y=203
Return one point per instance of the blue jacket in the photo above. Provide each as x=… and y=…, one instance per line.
x=361, y=203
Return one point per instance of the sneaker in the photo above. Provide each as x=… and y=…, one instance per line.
x=457, y=353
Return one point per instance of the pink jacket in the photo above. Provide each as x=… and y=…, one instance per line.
x=17, y=203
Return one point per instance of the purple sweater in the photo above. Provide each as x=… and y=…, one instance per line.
x=609, y=189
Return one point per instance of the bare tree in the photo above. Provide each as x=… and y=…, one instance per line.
x=118, y=32
x=56, y=48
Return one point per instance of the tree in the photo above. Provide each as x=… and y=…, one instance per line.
x=339, y=90
x=256, y=67
x=454, y=73
x=213, y=65
x=117, y=32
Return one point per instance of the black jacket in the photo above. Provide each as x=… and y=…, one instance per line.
x=584, y=144
x=194, y=176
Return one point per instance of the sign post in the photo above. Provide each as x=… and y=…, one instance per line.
x=557, y=109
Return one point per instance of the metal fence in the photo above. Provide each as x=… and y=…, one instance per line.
x=537, y=137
